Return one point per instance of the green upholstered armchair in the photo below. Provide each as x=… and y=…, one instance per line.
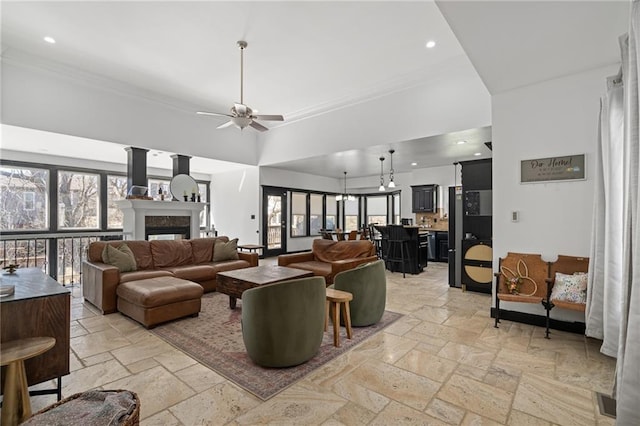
x=368, y=284
x=283, y=323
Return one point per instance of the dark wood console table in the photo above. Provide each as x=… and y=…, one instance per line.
x=39, y=307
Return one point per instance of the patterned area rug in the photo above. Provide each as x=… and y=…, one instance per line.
x=215, y=339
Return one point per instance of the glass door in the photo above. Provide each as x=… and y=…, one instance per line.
x=274, y=230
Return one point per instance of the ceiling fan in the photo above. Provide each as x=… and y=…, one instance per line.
x=242, y=115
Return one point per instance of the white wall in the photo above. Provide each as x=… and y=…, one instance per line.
x=555, y=118
x=235, y=197
x=41, y=96
x=452, y=100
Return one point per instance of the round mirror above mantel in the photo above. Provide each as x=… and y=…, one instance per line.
x=182, y=186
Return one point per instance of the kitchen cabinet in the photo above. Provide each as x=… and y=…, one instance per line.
x=424, y=198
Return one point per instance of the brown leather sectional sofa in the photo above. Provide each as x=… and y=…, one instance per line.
x=328, y=257
x=185, y=259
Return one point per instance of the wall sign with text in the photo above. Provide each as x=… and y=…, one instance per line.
x=570, y=167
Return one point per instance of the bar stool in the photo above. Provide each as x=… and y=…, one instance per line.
x=398, y=247
x=16, y=406
x=338, y=298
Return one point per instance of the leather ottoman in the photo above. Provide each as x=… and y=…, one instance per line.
x=155, y=300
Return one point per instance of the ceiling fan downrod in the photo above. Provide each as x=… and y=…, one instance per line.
x=242, y=45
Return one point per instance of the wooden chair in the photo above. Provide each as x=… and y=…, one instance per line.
x=325, y=234
x=339, y=234
x=353, y=234
x=565, y=265
x=533, y=272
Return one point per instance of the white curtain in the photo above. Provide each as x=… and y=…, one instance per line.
x=613, y=301
x=628, y=364
x=604, y=300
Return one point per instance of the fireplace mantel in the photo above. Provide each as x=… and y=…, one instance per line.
x=135, y=211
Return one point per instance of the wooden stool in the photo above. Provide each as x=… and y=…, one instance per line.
x=16, y=406
x=338, y=298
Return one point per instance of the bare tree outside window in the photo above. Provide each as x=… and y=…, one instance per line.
x=116, y=190
x=18, y=211
x=78, y=200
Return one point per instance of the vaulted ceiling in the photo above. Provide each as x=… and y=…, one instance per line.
x=342, y=66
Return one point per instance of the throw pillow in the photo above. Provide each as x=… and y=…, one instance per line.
x=570, y=288
x=121, y=257
x=225, y=251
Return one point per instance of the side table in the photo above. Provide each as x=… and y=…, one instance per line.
x=338, y=298
x=16, y=406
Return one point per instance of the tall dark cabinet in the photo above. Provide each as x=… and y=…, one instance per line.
x=476, y=246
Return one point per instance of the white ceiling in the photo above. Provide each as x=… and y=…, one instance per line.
x=305, y=58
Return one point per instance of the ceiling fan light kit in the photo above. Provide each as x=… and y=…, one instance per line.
x=242, y=115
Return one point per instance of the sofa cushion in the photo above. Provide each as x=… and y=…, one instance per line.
x=159, y=291
x=330, y=251
x=225, y=250
x=120, y=257
x=171, y=253
x=143, y=275
x=229, y=265
x=202, y=249
x=141, y=251
x=193, y=272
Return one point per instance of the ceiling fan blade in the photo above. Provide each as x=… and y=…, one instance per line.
x=227, y=124
x=269, y=117
x=217, y=114
x=258, y=126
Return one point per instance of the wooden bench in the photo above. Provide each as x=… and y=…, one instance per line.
x=536, y=279
x=567, y=265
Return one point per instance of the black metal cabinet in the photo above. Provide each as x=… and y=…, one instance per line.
x=424, y=198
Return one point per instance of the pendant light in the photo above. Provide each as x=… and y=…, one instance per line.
x=381, y=175
x=392, y=184
x=344, y=196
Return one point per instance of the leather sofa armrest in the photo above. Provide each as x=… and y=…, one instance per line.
x=99, y=283
x=252, y=258
x=286, y=259
x=344, y=265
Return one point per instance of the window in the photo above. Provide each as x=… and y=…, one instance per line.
x=298, y=214
x=116, y=190
x=78, y=200
x=351, y=215
x=377, y=209
x=15, y=213
x=203, y=190
x=332, y=212
x=155, y=185
x=315, y=217
x=396, y=208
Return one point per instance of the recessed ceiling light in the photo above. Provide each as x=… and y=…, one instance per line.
x=50, y=40
x=414, y=164
x=431, y=44
x=477, y=154
x=461, y=142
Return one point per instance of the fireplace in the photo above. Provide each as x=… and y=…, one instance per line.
x=146, y=219
x=167, y=227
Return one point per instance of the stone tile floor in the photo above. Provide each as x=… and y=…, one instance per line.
x=442, y=363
